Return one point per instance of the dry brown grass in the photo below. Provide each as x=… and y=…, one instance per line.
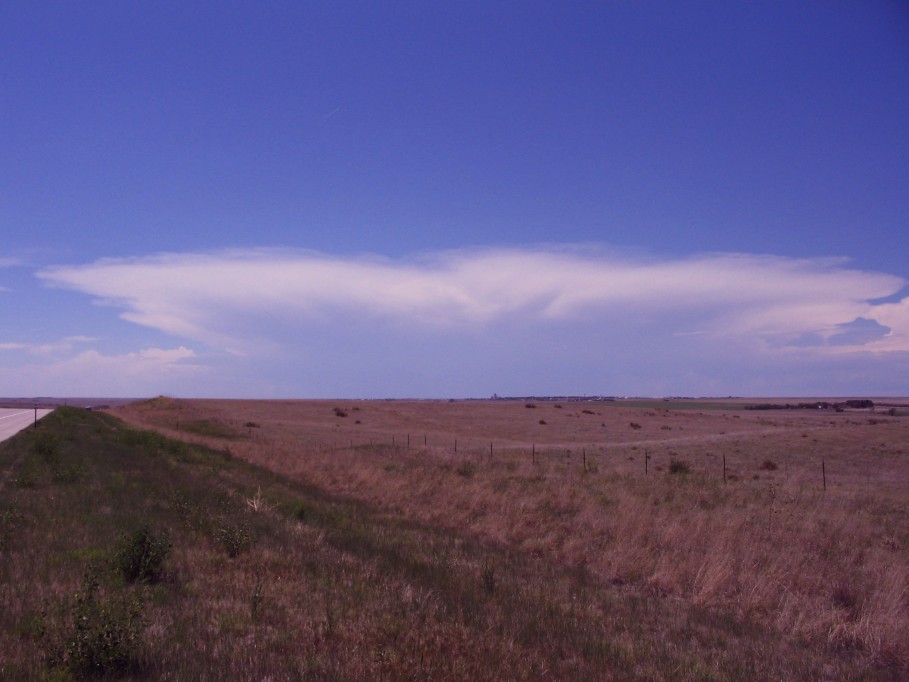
x=830, y=567
x=323, y=587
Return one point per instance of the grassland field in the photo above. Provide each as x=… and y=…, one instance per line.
x=456, y=540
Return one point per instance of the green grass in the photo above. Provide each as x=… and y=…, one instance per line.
x=229, y=567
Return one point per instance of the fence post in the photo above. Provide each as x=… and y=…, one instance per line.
x=533, y=453
x=456, y=444
x=646, y=462
x=490, y=449
x=824, y=474
x=724, y=468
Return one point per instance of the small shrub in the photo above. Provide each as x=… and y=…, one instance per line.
x=768, y=465
x=543, y=421
x=140, y=555
x=530, y=406
x=234, y=539
x=99, y=637
x=677, y=466
x=635, y=426
x=251, y=425
x=558, y=407
x=587, y=411
x=339, y=412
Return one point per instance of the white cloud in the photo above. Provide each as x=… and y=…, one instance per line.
x=63, y=346
x=91, y=373
x=237, y=299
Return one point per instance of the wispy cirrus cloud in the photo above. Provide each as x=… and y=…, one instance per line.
x=213, y=297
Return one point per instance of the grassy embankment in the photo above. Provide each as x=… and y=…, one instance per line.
x=128, y=554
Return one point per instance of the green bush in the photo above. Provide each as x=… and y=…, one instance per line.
x=140, y=555
x=100, y=637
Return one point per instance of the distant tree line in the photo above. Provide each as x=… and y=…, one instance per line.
x=819, y=405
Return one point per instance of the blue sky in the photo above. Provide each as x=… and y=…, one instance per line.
x=445, y=199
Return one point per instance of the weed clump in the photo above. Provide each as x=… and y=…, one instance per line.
x=677, y=466
x=140, y=555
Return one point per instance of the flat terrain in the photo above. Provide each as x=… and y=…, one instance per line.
x=792, y=519
x=470, y=540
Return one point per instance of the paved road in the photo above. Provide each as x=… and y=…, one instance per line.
x=13, y=421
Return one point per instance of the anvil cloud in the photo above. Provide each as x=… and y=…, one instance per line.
x=213, y=298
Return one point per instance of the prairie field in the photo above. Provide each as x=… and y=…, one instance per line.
x=648, y=540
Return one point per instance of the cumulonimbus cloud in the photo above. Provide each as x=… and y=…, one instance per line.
x=210, y=297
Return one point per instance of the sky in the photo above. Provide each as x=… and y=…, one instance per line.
x=454, y=199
